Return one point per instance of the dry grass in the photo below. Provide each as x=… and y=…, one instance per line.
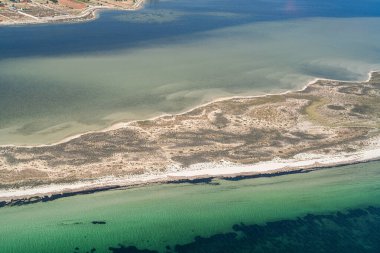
x=324, y=118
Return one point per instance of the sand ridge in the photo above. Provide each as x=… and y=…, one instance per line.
x=327, y=123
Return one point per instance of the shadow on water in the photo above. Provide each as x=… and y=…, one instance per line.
x=354, y=230
x=194, y=181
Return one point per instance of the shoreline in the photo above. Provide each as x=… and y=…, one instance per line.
x=197, y=173
x=88, y=14
x=121, y=124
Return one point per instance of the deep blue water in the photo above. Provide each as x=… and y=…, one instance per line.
x=105, y=34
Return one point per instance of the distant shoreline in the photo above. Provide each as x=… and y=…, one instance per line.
x=88, y=14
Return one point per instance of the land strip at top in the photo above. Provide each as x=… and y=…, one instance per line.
x=13, y=12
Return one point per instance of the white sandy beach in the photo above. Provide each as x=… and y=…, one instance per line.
x=206, y=170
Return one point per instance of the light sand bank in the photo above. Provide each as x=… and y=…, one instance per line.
x=305, y=161
x=135, y=138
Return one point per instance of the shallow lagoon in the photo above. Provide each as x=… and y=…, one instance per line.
x=59, y=80
x=332, y=210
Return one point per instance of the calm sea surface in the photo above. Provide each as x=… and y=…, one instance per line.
x=62, y=79
x=333, y=210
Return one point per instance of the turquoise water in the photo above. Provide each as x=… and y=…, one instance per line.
x=333, y=210
x=59, y=80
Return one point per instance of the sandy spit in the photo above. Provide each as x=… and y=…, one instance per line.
x=306, y=161
x=204, y=170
